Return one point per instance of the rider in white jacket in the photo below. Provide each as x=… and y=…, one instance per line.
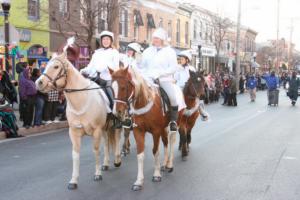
x=131, y=58
x=98, y=69
x=183, y=75
x=159, y=63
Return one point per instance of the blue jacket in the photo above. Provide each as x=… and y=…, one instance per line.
x=272, y=82
x=252, y=83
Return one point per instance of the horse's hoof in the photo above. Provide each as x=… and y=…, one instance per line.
x=72, y=186
x=97, y=178
x=105, y=168
x=137, y=187
x=156, y=179
x=118, y=164
x=169, y=170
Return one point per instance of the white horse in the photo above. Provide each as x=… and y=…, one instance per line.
x=87, y=108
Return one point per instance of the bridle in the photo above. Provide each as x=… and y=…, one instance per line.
x=62, y=74
x=130, y=98
x=191, y=82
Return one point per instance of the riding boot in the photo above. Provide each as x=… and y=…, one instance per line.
x=117, y=124
x=173, y=118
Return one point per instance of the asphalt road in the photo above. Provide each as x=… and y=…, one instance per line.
x=250, y=152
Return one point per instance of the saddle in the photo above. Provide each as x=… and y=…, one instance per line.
x=166, y=104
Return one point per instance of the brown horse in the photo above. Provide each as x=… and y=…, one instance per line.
x=193, y=90
x=147, y=114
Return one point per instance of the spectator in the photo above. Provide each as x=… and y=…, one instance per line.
x=27, y=94
x=8, y=89
x=251, y=86
x=39, y=101
x=232, y=92
x=62, y=107
x=51, y=106
x=242, y=84
x=272, y=83
x=225, y=89
x=294, y=84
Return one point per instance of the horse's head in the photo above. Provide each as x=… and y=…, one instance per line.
x=55, y=74
x=124, y=90
x=195, y=85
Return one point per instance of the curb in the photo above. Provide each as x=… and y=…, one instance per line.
x=38, y=130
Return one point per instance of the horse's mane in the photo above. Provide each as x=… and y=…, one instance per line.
x=141, y=87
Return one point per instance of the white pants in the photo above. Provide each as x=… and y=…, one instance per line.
x=170, y=89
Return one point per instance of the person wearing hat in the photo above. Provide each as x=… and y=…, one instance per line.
x=159, y=63
x=98, y=69
x=183, y=75
x=131, y=57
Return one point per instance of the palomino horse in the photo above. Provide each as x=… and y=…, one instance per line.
x=86, y=112
x=193, y=90
x=147, y=114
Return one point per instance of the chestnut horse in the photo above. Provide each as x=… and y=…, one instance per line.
x=147, y=114
x=86, y=111
x=193, y=91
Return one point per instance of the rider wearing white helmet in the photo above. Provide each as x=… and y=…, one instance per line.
x=159, y=62
x=104, y=58
x=183, y=75
x=131, y=57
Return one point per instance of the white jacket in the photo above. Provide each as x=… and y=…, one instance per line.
x=101, y=60
x=183, y=75
x=128, y=61
x=159, y=63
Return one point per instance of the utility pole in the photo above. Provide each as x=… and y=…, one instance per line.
x=238, y=35
x=277, y=38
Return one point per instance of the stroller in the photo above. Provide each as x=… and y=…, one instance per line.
x=8, y=119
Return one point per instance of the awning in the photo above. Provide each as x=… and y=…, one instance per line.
x=138, y=20
x=151, y=23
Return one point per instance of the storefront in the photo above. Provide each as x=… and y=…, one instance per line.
x=207, y=58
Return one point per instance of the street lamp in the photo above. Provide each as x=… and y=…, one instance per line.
x=200, y=57
x=6, y=7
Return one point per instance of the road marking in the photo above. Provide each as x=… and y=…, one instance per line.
x=289, y=158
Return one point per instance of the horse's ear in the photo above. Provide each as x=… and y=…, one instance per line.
x=192, y=73
x=111, y=71
x=121, y=65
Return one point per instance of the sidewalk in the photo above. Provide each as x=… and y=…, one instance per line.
x=35, y=130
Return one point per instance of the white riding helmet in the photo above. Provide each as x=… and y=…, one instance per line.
x=135, y=46
x=161, y=34
x=187, y=54
x=107, y=33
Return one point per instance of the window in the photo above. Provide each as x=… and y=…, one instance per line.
x=137, y=18
x=211, y=35
x=151, y=22
x=136, y=32
x=186, y=36
x=34, y=10
x=178, y=31
x=64, y=8
x=195, y=29
x=123, y=26
x=102, y=18
x=201, y=30
x=161, y=23
x=170, y=29
x=149, y=33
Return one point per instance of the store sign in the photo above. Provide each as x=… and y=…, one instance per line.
x=25, y=35
x=14, y=36
x=209, y=52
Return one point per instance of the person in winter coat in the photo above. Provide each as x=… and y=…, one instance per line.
x=159, y=64
x=132, y=56
x=294, y=84
x=251, y=86
x=27, y=92
x=226, y=89
x=98, y=69
x=272, y=83
x=242, y=84
x=232, y=92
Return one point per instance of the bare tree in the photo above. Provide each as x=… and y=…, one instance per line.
x=85, y=18
x=221, y=27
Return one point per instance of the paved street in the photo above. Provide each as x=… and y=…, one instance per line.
x=250, y=152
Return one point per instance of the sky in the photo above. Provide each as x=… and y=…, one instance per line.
x=260, y=15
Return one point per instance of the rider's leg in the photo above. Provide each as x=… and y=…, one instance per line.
x=109, y=92
x=169, y=88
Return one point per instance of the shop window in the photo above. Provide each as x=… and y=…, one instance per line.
x=34, y=10
x=64, y=8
